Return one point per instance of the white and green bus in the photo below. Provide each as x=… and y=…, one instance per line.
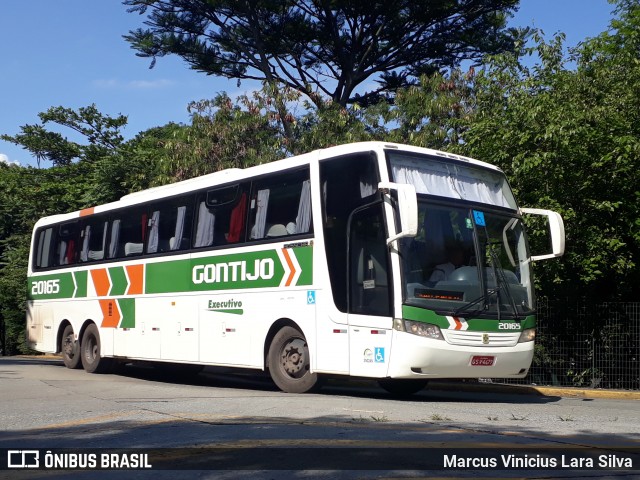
x=372, y=260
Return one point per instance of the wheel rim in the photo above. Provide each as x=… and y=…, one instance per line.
x=293, y=358
x=91, y=352
x=69, y=346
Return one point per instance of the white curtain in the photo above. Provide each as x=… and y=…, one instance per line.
x=303, y=220
x=177, y=236
x=366, y=189
x=261, y=214
x=84, y=254
x=152, y=246
x=204, y=230
x=115, y=234
x=454, y=181
x=105, y=226
x=62, y=253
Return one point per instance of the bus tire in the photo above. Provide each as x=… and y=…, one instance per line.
x=400, y=387
x=70, y=349
x=92, y=362
x=289, y=362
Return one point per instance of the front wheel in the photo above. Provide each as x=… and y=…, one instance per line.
x=402, y=387
x=92, y=362
x=70, y=349
x=289, y=363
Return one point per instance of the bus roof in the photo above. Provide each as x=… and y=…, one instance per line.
x=237, y=174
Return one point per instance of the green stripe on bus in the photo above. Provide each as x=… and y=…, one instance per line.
x=44, y=287
x=304, y=255
x=119, y=282
x=474, y=324
x=262, y=269
x=81, y=283
x=128, y=309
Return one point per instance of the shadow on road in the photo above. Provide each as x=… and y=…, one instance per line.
x=235, y=378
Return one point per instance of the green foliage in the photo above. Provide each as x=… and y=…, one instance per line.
x=323, y=49
x=27, y=194
x=99, y=174
x=436, y=112
x=569, y=140
x=223, y=135
x=13, y=291
x=101, y=132
x=566, y=132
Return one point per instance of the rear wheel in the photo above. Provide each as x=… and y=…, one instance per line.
x=70, y=349
x=402, y=387
x=289, y=362
x=92, y=362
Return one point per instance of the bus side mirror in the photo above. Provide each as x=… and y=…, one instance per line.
x=556, y=227
x=407, y=209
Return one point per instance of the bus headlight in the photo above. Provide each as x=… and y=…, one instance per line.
x=527, y=335
x=421, y=329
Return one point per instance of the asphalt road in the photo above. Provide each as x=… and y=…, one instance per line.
x=238, y=425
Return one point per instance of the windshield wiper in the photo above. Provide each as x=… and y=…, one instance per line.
x=502, y=284
x=482, y=298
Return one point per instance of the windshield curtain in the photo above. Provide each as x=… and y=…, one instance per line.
x=450, y=179
x=467, y=261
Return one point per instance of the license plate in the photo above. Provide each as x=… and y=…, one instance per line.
x=482, y=361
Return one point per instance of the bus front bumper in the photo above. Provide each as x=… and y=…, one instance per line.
x=419, y=357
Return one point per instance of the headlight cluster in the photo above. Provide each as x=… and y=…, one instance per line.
x=527, y=335
x=421, y=329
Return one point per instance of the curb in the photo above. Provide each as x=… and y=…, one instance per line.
x=568, y=392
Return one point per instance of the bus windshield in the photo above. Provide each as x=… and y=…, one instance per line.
x=469, y=262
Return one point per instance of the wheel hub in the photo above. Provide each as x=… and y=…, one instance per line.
x=293, y=357
x=69, y=345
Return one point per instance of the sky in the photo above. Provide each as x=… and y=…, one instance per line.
x=71, y=53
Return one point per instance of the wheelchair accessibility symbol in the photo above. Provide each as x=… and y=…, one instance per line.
x=379, y=355
x=311, y=297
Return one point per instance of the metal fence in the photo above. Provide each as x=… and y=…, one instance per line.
x=580, y=343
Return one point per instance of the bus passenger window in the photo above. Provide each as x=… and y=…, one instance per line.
x=281, y=206
x=94, y=236
x=128, y=234
x=66, y=244
x=221, y=217
x=44, y=249
x=169, y=227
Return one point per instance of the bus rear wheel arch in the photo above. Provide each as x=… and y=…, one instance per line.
x=289, y=362
x=90, y=351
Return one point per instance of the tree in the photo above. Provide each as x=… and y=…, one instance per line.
x=27, y=194
x=223, y=134
x=113, y=166
x=324, y=48
x=569, y=140
x=565, y=128
x=101, y=132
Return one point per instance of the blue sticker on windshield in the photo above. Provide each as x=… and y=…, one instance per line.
x=478, y=217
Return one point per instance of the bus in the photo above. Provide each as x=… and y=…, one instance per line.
x=369, y=260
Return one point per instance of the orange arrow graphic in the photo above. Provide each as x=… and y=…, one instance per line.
x=110, y=313
x=101, y=281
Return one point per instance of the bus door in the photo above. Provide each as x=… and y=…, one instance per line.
x=369, y=293
x=357, y=264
